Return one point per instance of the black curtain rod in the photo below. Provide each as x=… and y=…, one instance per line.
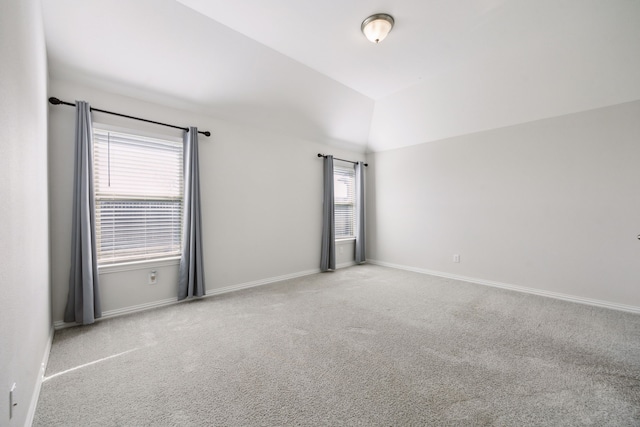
x=56, y=101
x=342, y=160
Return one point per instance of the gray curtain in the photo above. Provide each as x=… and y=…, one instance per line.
x=83, y=301
x=328, y=251
x=191, y=279
x=360, y=239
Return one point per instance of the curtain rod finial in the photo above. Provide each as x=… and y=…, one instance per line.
x=207, y=133
x=54, y=100
x=320, y=155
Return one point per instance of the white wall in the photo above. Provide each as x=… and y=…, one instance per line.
x=25, y=315
x=552, y=205
x=261, y=201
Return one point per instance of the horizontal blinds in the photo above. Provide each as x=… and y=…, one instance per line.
x=138, y=186
x=344, y=199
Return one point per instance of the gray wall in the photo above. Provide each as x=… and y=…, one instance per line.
x=25, y=315
x=261, y=195
x=552, y=205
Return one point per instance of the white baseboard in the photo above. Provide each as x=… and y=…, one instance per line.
x=31, y=413
x=533, y=291
x=140, y=307
x=345, y=264
x=59, y=324
x=260, y=282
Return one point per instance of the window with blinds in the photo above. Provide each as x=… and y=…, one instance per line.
x=344, y=201
x=138, y=189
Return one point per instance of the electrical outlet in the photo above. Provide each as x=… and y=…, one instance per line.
x=12, y=400
x=153, y=277
x=456, y=257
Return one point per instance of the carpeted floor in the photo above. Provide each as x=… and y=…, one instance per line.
x=363, y=346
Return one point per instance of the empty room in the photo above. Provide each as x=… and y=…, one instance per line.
x=295, y=213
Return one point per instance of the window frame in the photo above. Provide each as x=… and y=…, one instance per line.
x=107, y=264
x=348, y=171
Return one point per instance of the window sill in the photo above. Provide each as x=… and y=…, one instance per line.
x=345, y=240
x=138, y=265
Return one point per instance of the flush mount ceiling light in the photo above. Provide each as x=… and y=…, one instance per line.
x=376, y=27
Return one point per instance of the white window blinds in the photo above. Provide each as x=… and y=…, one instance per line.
x=138, y=188
x=344, y=201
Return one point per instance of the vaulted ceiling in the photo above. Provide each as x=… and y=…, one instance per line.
x=447, y=68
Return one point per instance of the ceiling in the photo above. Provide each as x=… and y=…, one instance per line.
x=448, y=67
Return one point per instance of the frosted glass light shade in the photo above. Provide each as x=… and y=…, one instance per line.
x=376, y=27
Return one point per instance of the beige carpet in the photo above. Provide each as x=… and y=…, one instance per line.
x=363, y=346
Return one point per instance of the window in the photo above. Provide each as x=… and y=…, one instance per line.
x=138, y=190
x=344, y=201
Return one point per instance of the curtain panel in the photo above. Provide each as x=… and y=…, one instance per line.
x=328, y=248
x=191, y=274
x=360, y=255
x=83, y=301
